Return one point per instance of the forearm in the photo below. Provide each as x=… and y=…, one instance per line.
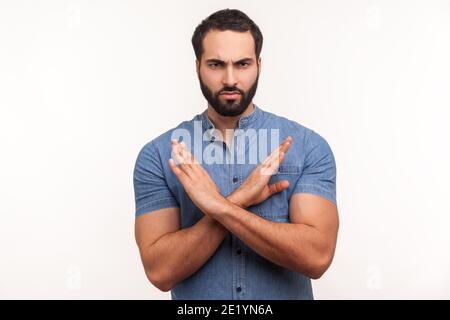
x=298, y=247
x=177, y=255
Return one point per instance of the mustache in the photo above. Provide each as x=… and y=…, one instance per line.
x=231, y=89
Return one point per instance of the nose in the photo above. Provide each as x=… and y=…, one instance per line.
x=229, y=79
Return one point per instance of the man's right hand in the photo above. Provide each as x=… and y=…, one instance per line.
x=255, y=188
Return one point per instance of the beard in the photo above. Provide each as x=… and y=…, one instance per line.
x=229, y=107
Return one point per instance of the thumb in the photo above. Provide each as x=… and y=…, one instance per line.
x=278, y=186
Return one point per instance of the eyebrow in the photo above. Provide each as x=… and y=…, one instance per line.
x=243, y=60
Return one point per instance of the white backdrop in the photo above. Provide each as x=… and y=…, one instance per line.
x=84, y=85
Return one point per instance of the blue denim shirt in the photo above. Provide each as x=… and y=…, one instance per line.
x=235, y=271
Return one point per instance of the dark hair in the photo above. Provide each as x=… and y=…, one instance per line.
x=226, y=19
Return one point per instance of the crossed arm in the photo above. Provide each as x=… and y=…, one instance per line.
x=170, y=255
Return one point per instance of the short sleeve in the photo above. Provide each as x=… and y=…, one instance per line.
x=319, y=170
x=150, y=187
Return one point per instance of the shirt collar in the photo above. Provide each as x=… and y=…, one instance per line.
x=244, y=121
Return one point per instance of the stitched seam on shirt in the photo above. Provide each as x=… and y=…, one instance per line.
x=147, y=204
x=314, y=187
x=288, y=169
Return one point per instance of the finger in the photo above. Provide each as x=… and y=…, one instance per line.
x=283, y=147
x=187, y=155
x=176, y=170
x=176, y=155
x=190, y=166
x=182, y=156
x=271, y=164
x=275, y=164
x=274, y=160
x=278, y=155
x=183, y=153
x=278, y=186
x=179, y=149
x=286, y=144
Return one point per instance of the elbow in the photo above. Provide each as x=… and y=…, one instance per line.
x=319, y=266
x=317, y=273
x=158, y=280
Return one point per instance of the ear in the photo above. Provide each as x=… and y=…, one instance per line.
x=197, y=67
x=259, y=65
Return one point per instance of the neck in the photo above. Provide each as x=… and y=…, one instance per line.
x=223, y=123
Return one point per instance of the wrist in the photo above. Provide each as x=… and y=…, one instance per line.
x=217, y=207
x=226, y=208
x=235, y=198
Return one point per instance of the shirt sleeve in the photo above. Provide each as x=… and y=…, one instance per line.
x=150, y=187
x=319, y=173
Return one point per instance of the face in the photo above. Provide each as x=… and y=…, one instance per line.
x=228, y=71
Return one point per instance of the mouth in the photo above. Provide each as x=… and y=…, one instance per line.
x=230, y=95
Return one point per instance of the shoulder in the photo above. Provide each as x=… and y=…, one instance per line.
x=161, y=145
x=307, y=139
x=286, y=126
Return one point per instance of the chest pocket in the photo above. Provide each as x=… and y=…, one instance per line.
x=276, y=207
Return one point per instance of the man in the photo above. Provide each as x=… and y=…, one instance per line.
x=211, y=226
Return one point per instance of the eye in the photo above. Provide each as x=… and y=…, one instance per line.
x=213, y=65
x=244, y=64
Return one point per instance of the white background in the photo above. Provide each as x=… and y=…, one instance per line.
x=85, y=84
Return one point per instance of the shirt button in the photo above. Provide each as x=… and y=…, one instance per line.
x=238, y=289
x=235, y=179
x=238, y=251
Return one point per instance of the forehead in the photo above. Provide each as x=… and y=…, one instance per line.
x=228, y=44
